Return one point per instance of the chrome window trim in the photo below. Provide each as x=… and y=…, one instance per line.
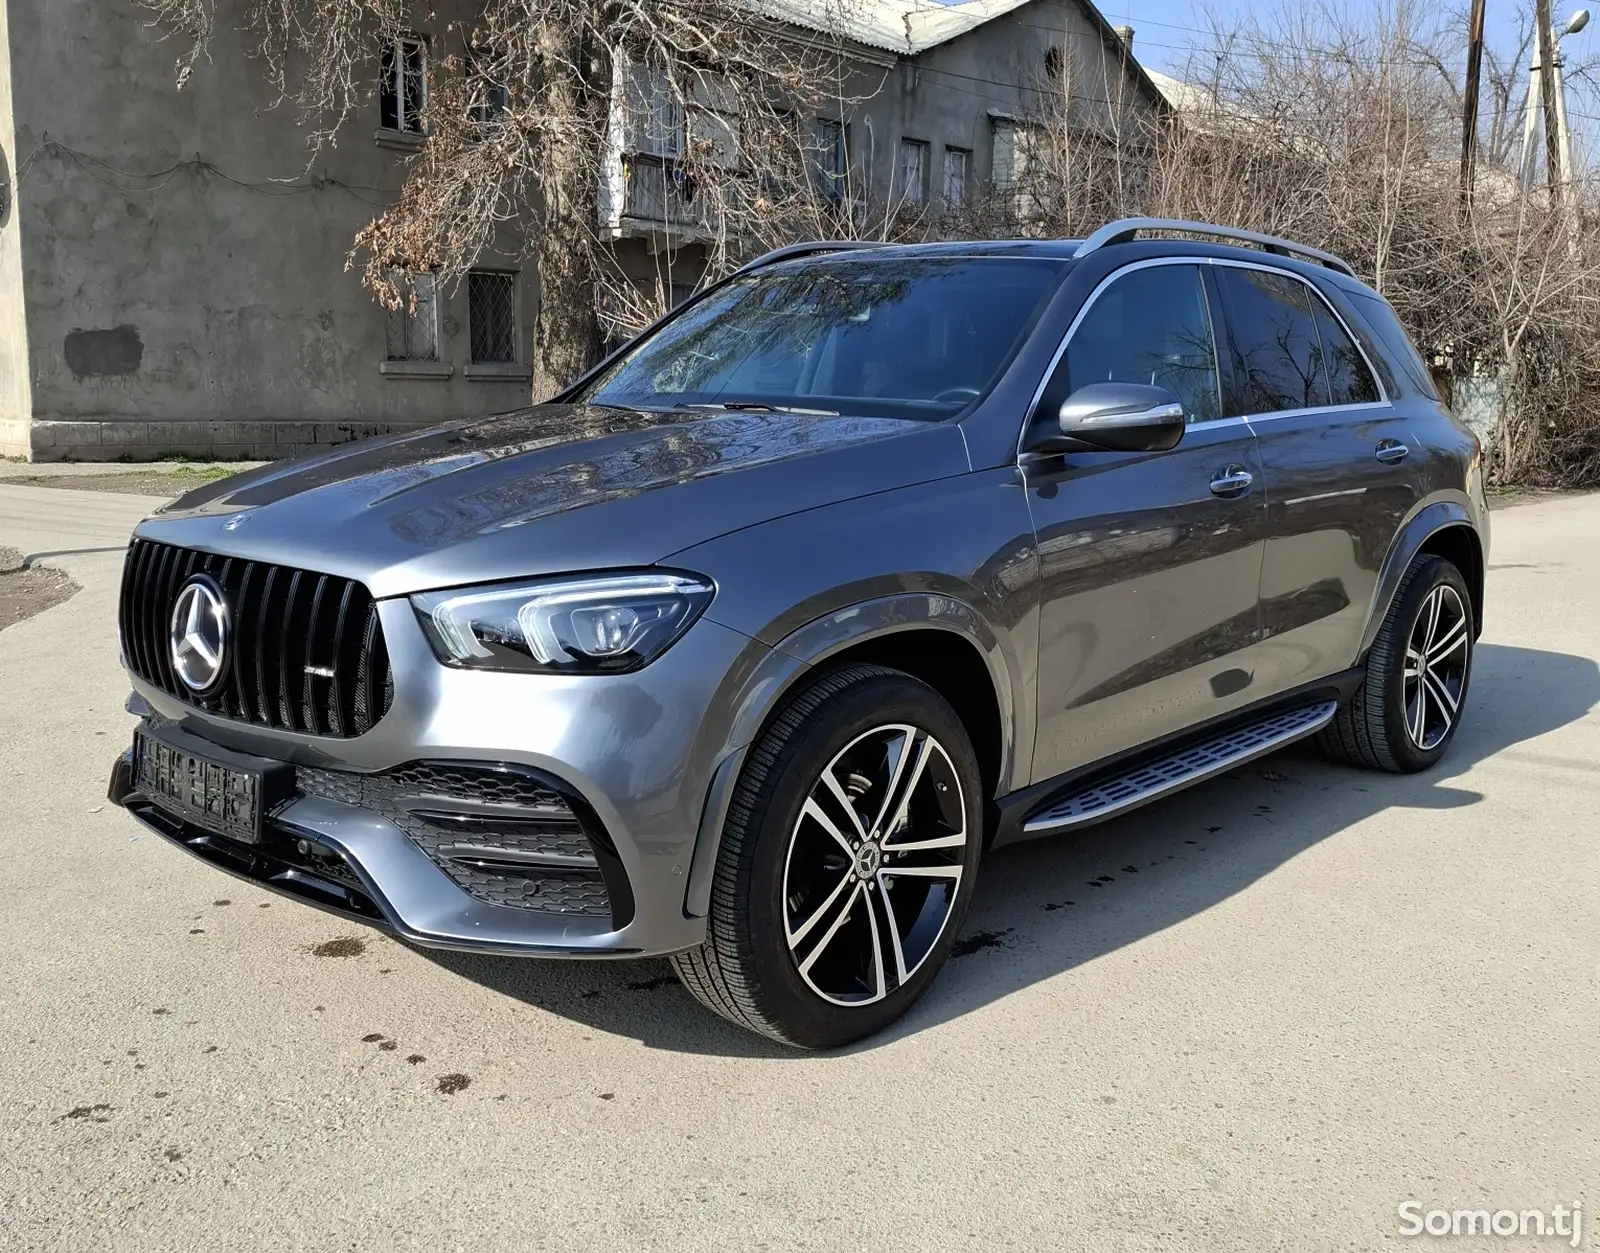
x=1314, y=410
x=1213, y=423
x=1384, y=400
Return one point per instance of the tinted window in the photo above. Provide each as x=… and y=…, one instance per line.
x=1375, y=309
x=1151, y=326
x=1273, y=342
x=916, y=337
x=1349, y=380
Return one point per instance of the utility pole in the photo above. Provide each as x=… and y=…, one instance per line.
x=1547, y=90
x=1563, y=134
x=1469, y=106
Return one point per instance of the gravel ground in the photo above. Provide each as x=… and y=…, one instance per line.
x=24, y=593
x=146, y=482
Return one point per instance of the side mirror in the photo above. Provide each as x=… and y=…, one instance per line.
x=1116, y=417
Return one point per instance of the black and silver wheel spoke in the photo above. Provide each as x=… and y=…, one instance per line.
x=1434, y=674
x=874, y=865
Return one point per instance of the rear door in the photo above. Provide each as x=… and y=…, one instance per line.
x=1150, y=563
x=1339, y=468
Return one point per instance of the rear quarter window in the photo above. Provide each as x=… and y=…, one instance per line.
x=1380, y=318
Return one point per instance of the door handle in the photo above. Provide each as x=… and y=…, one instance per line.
x=1390, y=451
x=1233, y=481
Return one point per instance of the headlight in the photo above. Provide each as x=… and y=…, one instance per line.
x=604, y=624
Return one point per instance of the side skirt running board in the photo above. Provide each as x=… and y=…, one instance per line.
x=1154, y=779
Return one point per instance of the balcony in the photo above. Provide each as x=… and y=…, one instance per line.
x=653, y=198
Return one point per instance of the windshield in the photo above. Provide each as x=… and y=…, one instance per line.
x=903, y=337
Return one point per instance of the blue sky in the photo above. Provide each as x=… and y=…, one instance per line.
x=1166, y=30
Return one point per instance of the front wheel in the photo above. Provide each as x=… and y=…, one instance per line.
x=847, y=862
x=1409, y=705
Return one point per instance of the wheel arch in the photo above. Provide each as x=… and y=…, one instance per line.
x=942, y=641
x=935, y=637
x=1444, y=528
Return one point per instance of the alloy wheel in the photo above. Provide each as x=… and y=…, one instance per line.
x=1435, y=676
x=874, y=865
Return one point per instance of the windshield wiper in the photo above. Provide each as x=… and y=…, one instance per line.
x=758, y=406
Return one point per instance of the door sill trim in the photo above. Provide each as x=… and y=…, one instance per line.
x=1178, y=769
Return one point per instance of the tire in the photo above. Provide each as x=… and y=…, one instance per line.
x=1377, y=728
x=801, y=893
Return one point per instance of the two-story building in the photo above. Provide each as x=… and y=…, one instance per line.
x=173, y=278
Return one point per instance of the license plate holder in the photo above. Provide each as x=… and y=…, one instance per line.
x=215, y=788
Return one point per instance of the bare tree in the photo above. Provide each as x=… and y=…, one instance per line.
x=522, y=116
x=1344, y=131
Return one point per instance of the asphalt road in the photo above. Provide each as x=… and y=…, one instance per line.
x=1261, y=1015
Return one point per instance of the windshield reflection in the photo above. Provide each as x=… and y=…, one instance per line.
x=906, y=337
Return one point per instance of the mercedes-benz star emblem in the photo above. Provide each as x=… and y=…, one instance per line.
x=199, y=633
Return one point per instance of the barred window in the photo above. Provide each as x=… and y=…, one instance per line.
x=414, y=326
x=492, y=316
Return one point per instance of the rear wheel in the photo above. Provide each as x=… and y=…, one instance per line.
x=1409, y=705
x=846, y=865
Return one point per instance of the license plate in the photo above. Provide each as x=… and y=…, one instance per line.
x=221, y=791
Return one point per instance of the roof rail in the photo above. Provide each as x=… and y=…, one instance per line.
x=790, y=251
x=1123, y=231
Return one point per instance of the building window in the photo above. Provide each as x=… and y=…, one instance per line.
x=830, y=147
x=1012, y=168
x=655, y=112
x=956, y=161
x=714, y=128
x=491, y=98
x=403, y=94
x=1010, y=154
x=914, y=171
x=414, y=326
x=492, y=316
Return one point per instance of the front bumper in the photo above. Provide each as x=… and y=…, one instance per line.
x=649, y=759
x=362, y=866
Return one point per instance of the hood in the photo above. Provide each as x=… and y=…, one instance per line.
x=550, y=489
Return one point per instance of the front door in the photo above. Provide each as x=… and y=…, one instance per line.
x=1150, y=563
x=1340, y=466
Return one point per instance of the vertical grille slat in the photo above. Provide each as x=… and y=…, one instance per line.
x=145, y=609
x=132, y=620
x=130, y=564
x=336, y=719
x=285, y=639
x=283, y=623
x=160, y=613
x=141, y=616
x=227, y=588
x=261, y=646
x=308, y=695
x=241, y=644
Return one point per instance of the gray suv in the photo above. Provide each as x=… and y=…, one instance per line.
x=747, y=648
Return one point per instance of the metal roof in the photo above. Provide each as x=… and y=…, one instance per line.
x=904, y=26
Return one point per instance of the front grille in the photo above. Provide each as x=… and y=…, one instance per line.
x=501, y=834
x=306, y=651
